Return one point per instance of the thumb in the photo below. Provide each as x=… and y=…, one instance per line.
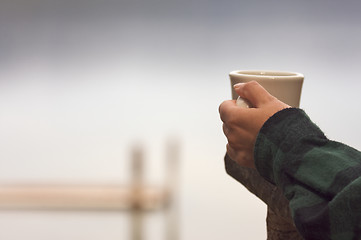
x=253, y=92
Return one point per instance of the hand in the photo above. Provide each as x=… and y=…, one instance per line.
x=242, y=125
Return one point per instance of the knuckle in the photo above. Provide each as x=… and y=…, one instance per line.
x=252, y=83
x=224, y=111
x=232, y=120
x=225, y=129
x=233, y=141
x=233, y=145
x=221, y=108
x=249, y=86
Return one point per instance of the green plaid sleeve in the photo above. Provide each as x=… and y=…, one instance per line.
x=320, y=178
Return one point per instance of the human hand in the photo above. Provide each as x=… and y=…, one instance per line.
x=242, y=125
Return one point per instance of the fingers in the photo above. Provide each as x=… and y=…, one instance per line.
x=225, y=129
x=253, y=92
x=226, y=110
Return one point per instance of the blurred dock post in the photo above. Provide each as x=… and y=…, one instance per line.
x=172, y=185
x=137, y=162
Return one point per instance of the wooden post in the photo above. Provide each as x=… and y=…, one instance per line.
x=137, y=179
x=172, y=184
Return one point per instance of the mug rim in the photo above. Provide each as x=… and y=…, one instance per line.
x=266, y=74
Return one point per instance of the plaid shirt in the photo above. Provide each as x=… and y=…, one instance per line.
x=320, y=178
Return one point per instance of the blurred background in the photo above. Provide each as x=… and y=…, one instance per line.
x=84, y=81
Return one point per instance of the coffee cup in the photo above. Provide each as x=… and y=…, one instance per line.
x=286, y=86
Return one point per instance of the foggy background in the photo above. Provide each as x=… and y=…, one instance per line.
x=82, y=82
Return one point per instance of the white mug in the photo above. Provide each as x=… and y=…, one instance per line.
x=286, y=86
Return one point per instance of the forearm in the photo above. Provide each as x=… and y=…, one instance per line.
x=318, y=176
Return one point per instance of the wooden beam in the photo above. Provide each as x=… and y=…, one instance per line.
x=81, y=197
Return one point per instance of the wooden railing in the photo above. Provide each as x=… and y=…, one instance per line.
x=136, y=198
